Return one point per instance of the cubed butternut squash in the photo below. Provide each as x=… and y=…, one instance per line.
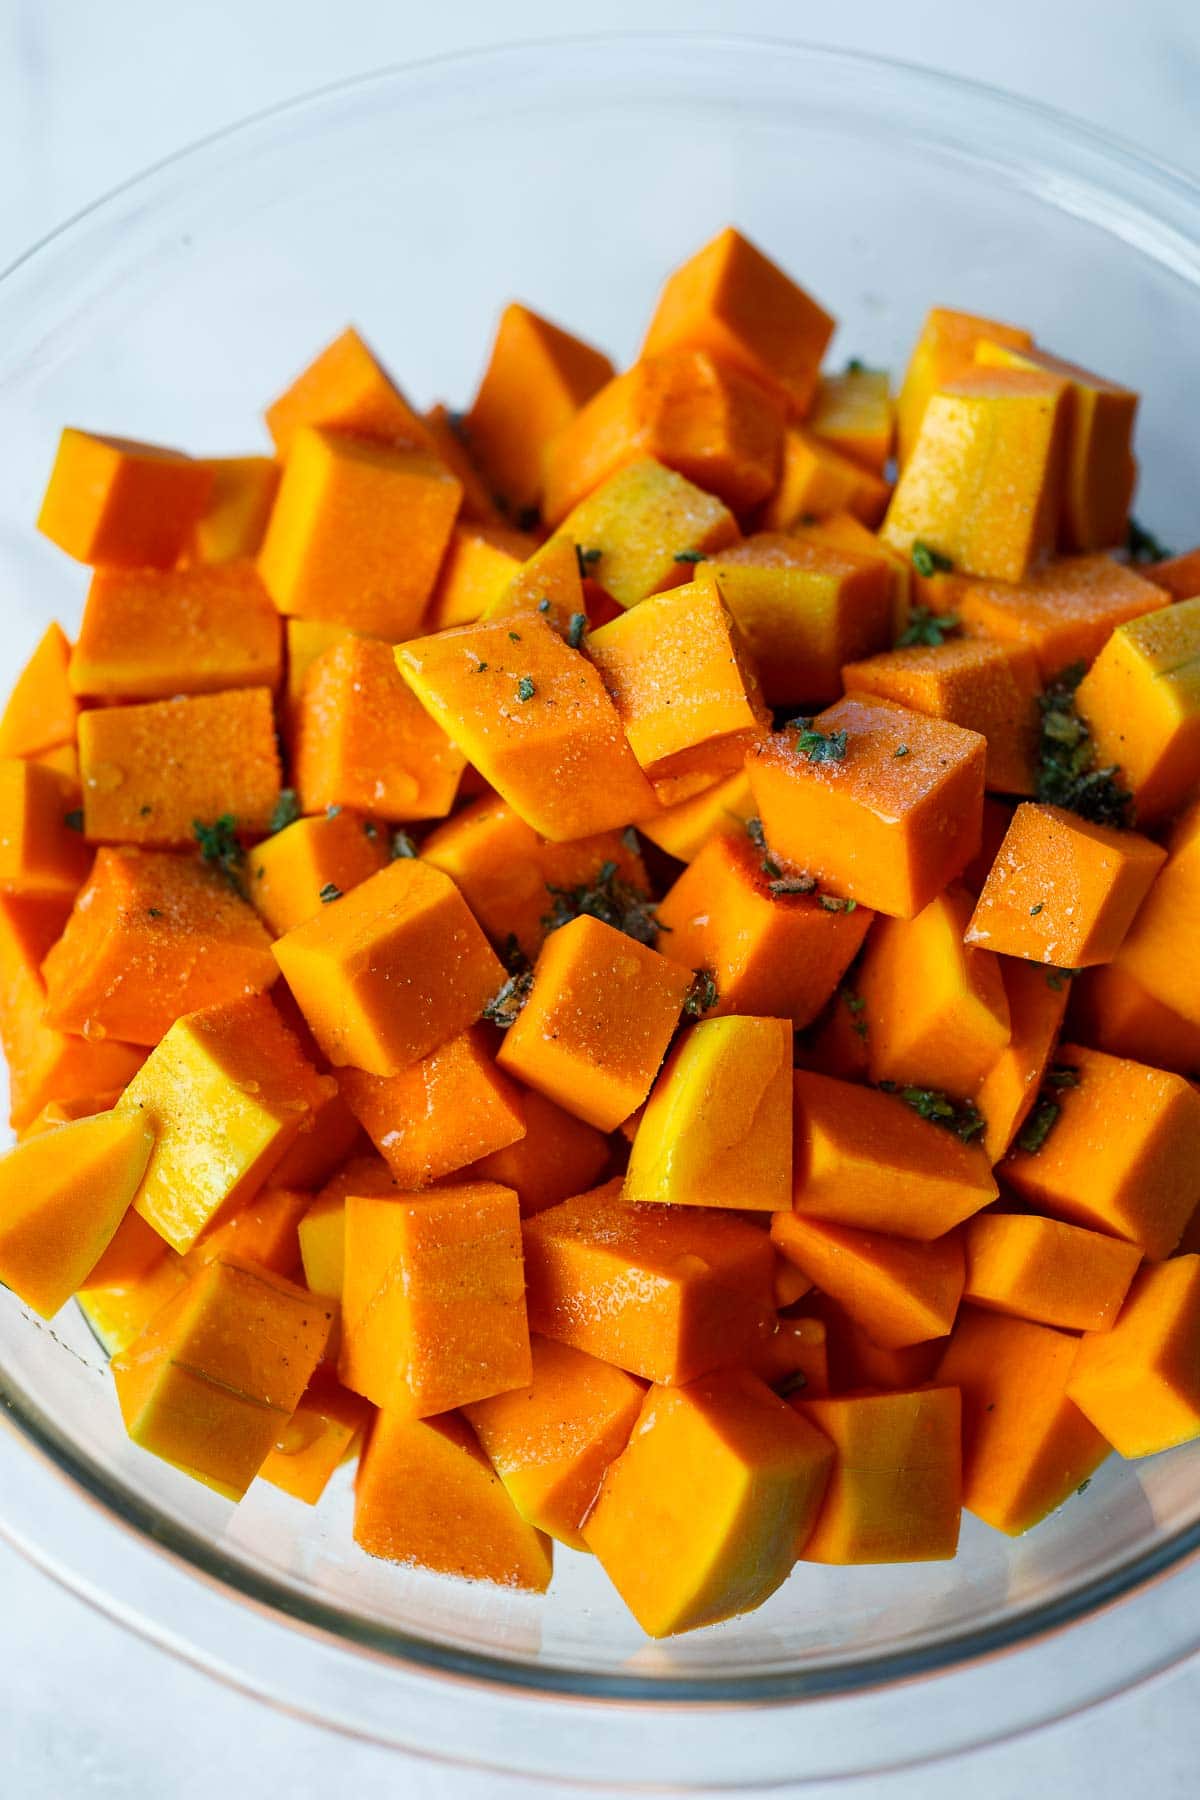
x=147, y=634
x=291, y=873
x=1043, y=1270
x=816, y=479
x=897, y=1291
x=643, y=530
x=1160, y=949
x=1064, y=613
x=347, y=390
x=944, y=350
x=895, y=1490
x=558, y=1156
x=234, y=519
x=42, y=854
x=1141, y=700
x=1139, y=1381
x=41, y=711
x=326, y=1430
x=853, y=412
x=129, y=505
x=1037, y=1000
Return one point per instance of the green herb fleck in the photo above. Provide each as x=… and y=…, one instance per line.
x=1037, y=907
x=856, y=1006
x=402, y=845
x=791, y=1384
x=576, y=629
x=526, y=688
x=962, y=1117
x=702, y=995
x=756, y=834
x=690, y=556
x=260, y=871
x=833, y=903
x=856, y=366
x=332, y=811
x=543, y=606
x=370, y=830
x=73, y=820
x=900, y=750
x=1084, y=1485
x=514, y=637
x=219, y=847
x=1067, y=772
x=586, y=560
x=632, y=843
x=286, y=810
x=145, y=811
x=610, y=899
x=1061, y=1075
x=927, y=561
x=331, y=891
x=504, y=1007
x=928, y=628
x=480, y=668
x=154, y=912
x=1057, y=979
x=819, y=746
x=1038, y=1126
x=1143, y=546
x=781, y=884
x=512, y=955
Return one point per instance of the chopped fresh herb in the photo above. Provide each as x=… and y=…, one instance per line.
x=1037, y=907
x=514, y=637
x=543, y=606
x=587, y=560
x=370, y=830
x=219, y=846
x=286, y=811
x=73, y=820
x=856, y=366
x=504, y=1008
x=332, y=811
x=820, y=746
x=790, y=884
x=610, y=899
x=702, y=995
x=480, y=667
x=1057, y=979
x=402, y=845
x=260, y=871
x=791, y=1384
x=1038, y=1126
x=632, y=843
x=755, y=832
x=856, y=1007
x=1067, y=775
x=526, y=688
x=928, y=628
x=512, y=955
x=1084, y=1485
x=900, y=750
x=689, y=556
x=1143, y=546
x=1061, y=1075
x=576, y=629
x=145, y=811
x=331, y=891
x=154, y=912
x=927, y=561
x=834, y=903
x=962, y=1117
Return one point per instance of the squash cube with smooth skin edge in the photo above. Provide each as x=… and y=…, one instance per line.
x=357, y=532
x=225, y=1093
x=595, y=1027
x=853, y=412
x=667, y=1293
x=897, y=1291
x=1139, y=1381
x=41, y=857
x=1065, y=612
x=532, y=716
x=363, y=740
x=235, y=514
x=558, y=1156
x=717, y=1128
x=433, y=1298
x=1037, y=1001
x=944, y=349
x=41, y=712
x=148, y=634
x=1063, y=890
x=1123, y=1154
x=682, y=681
x=891, y=822
x=1141, y=700
x=815, y=479
x=391, y=970
x=650, y=525
x=216, y=1375
x=701, y=1515
x=868, y=1160
x=1043, y=1270
x=895, y=1490
x=326, y=1430
x=346, y=389
x=110, y=500
x=289, y=871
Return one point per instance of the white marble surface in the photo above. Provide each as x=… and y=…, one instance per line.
x=90, y=93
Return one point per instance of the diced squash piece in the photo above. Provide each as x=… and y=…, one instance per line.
x=804, y=609
x=1100, y=471
x=480, y=563
x=291, y=870
x=682, y=830
x=717, y=1128
x=596, y=1025
x=897, y=1291
x=1160, y=949
x=895, y=1492
x=989, y=688
x=439, y=1114
x=558, y=1156
x=795, y=1357
x=944, y=350
x=771, y=952
x=357, y=533
x=263, y=1231
x=867, y=1160
x=1141, y=698
x=322, y=1230
x=433, y=1300
x=448, y=438
x=235, y=514
x=701, y=417
x=1037, y=1000
x=426, y=1496
x=509, y=876
x=1044, y=1270
x=150, y=772
x=1180, y=575
x=218, y=1371
x=134, y=1278
x=147, y=634
x=1111, y=1011
x=853, y=412
x=843, y=531
x=836, y=1043
x=935, y=1009
x=364, y=740
x=549, y=582
x=532, y=715
x=346, y=389
x=151, y=937
x=41, y=711
x=551, y=1442
x=735, y=302
x=62, y=1196
x=41, y=856
x=327, y=1429
x=983, y=483
x=701, y=1515
x=1026, y=1445
x=1123, y=1155
x=225, y=1093
x=1139, y=1382
x=329, y=1137
x=856, y=1361
x=305, y=640
x=682, y=681
x=650, y=526
x=110, y=500
x=1064, y=613
x=887, y=830
x=1063, y=890
x=391, y=970
x=816, y=479
x=665, y=1293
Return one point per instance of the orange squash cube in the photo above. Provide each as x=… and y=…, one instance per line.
x=682, y=1554
x=682, y=681
x=150, y=772
x=734, y=302
x=433, y=1299
x=346, y=389
x=304, y=640
x=842, y=531
x=1139, y=1382
x=390, y=970
x=480, y=563
x=596, y=1025
x=327, y=1429
x=235, y=514
x=866, y=1159
x=1063, y=890
x=558, y=1156
x=683, y=829
x=532, y=716
x=290, y=871
x=110, y=500
x=151, y=937
x=857, y=1361
x=548, y=582
x=1043, y=1270
x=1123, y=1155
x=983, y=482
x=797, y=1346
x=815, y=479
x=328, y=1138
x=665, y=1292
x=1064, y=613
x=1026, y=1445
x=41, y=856
x=1180, y=575
x=1037, y=999
x=944, y=350
x=772, y=953
x=1160, y=949
x=41, y=711
x=1111, y=1011
x=890, y=823
x=853, y=412
x=134, y=1278
x=357, y=533
x=147, y=634
x=895, y=1492
x=897, y=1291
x=322, y=1229
x=1141, y=699
x=447, y=435
x=264, y=1231
x=650, y=526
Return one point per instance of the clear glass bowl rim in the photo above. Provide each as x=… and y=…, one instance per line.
x=1144, y=200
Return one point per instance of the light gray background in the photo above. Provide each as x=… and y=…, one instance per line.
x=90, y=92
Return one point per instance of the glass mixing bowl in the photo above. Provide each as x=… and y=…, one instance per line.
x=415, y=202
